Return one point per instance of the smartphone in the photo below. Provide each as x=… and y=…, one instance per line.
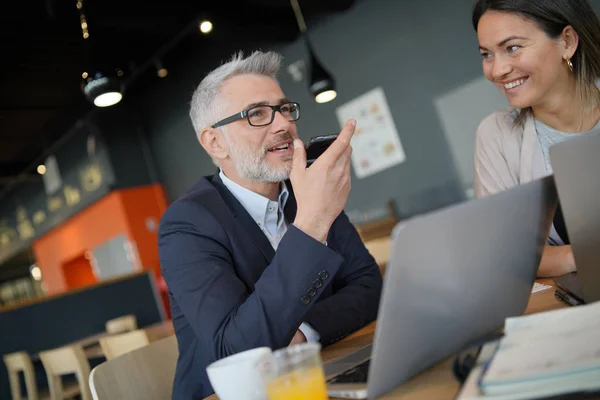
x=317, y=146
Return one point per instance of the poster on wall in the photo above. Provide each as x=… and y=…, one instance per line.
x=376, y=145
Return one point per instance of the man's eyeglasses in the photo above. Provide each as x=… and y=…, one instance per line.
x=264, y=115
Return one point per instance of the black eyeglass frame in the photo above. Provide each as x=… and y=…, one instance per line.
x=244, y=114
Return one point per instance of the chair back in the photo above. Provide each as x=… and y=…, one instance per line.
x=115, y=345
x=21, y=362
x=376, y=235
x=122, y=324
x=381, y=227
x=146, y=373
x=62, y=361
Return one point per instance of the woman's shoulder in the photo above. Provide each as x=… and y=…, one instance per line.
x=500, y=122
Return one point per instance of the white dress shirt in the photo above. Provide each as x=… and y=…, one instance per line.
x=268, y=215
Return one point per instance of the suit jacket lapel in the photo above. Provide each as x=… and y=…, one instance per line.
x=240, y=213
x=290, y=206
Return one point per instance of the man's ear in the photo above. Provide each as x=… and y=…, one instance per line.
x=213, y=142
x=571, y=41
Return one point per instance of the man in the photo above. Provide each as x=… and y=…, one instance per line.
x=251, y=258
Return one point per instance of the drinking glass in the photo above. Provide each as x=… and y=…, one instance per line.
x=294, y=373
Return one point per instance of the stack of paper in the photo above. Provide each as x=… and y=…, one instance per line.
x=538, y=287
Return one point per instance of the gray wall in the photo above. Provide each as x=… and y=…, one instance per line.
x=416, y=50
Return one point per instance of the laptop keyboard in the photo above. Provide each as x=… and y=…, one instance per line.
x=357, y=374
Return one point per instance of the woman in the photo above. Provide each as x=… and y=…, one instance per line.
x=545, y=57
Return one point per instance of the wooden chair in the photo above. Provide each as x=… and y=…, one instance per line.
x=146, y=373
x=379, y=228
x=21, y=362
x=63, y=361
x=376, y=235
x=380, y=249
x=115, y=345
x=122, y=324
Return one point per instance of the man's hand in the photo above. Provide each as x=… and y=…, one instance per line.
x=322, y=190
x=298, y=338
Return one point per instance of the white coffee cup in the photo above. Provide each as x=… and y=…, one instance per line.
x=237, y=378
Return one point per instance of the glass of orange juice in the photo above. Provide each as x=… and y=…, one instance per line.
x=294, y=373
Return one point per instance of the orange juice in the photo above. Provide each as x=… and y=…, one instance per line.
x=303, y=384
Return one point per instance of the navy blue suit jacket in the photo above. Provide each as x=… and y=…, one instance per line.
x=230, y=291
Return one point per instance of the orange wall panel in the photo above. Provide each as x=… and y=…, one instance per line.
x=143, y=208
x=120, y=212
x=78, y=273
x=87, y=229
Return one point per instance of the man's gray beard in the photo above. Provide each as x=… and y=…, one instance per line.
x=255, y=167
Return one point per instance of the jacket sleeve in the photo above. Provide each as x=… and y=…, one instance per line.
x=198, y=266
x=356, y=287
x=492, y=172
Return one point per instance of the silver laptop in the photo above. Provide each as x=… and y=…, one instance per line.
x=453, y=276
x=576, y=165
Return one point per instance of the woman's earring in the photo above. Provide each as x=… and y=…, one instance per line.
x=569, y=64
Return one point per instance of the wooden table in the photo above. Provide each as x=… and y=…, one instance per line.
x=436, y=382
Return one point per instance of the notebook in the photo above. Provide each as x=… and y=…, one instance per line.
x=541, y=355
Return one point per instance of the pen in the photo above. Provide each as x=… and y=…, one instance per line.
x=566, y=298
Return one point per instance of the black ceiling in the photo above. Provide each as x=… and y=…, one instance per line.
x=44, y=55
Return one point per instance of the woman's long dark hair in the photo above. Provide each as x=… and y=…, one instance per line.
x=553, y=16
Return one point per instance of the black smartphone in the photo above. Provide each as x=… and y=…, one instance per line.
x=317, y=146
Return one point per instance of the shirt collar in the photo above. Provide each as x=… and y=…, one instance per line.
x=255, y=204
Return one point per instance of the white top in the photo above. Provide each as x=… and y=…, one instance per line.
x=549, y=137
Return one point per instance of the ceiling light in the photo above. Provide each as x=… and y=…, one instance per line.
x=206, y=26
x=103, y=91
x=321, y=84
x=36, y=272
x=326, y=96
x=108, y=99
x=161, y=71
x=41, y=169
x=84, y=75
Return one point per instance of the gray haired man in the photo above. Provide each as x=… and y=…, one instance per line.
x=261, y=253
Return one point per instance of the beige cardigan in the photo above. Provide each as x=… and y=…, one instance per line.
x=508, y=155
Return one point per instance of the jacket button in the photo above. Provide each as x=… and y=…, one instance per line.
x=323, y=274
x=312, y=292
x=317, y=283
x=305, y=300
